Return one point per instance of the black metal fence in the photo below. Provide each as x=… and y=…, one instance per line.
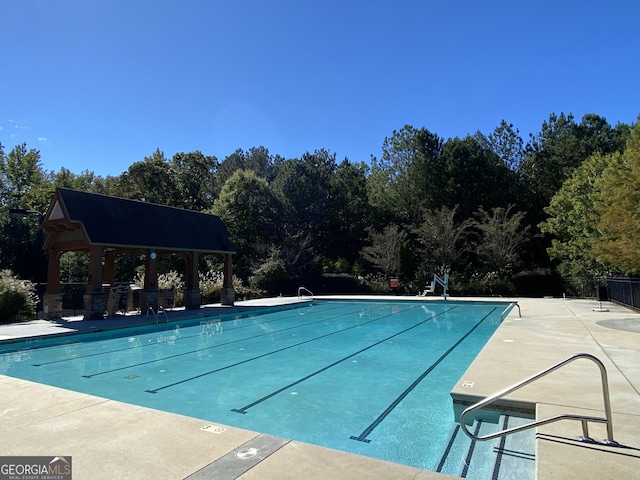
x=624, y=290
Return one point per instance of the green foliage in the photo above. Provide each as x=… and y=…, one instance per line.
x=328, y=265
x=384, y=248
x=485, y=284
x=426, y=187
x=17, y=297
x=407, y=177
x=573, y=218
x=271, y=276
x=619, y=210
x=475, y=176
x=441, y=238
x=506, y=142
x=501, y=236
x=250, y=211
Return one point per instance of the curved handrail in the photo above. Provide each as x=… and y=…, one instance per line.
x=583, y=418
x=304, y=289
x=507, y=310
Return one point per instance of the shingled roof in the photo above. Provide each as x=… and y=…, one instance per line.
x=131, y=225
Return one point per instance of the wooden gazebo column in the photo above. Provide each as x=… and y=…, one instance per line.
x=94, y=301
x=52, y=299
x=149, y=295
x=228, y=294
x=192, y=294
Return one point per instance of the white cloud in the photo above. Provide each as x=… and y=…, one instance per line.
x=20, y=127
x=42, y=139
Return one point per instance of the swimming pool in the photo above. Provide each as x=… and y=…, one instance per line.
x=367, y=377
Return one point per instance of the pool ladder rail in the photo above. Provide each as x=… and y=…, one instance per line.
x=304, y=289
x=585, y=419
x=157, y=315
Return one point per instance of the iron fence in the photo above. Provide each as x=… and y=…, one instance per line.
x=624, y=290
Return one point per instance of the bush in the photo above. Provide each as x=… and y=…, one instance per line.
x=17, y=298
x=539, y=283
x=270, y=276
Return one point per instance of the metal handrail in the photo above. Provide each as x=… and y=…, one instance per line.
x=507, y=310
x=304, y=289
x=156, y=315
x=583, y=418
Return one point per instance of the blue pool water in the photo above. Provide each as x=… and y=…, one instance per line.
x=368, y=377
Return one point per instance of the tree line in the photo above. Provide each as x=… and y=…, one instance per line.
x=482, y=208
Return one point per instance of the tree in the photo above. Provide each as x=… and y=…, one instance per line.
x=302, y=187
x=257, y=160
x=572, y=218
x=561, y=146
x=441, y=237
x=194, y=175
x=343, y=232
x=407, y=178
x=475, y=176
x=384, y=249
x=619, y=210
x=250, y=211
x=501, y=236
x=23, y=182
x=150, y=180
x=24, y=185
x=506, y=142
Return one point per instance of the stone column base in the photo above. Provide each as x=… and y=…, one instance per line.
x=148, y=298
x=94, y=306
x=227, y=296
x=52, y=306
x=192, y=298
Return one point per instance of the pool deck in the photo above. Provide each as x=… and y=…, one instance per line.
x=108, y=439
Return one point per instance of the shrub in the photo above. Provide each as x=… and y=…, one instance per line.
x=17, y=297
x=270, y=276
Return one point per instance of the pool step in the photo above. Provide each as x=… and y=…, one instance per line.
x=510, y=457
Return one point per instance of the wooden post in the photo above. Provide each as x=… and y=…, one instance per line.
x=227, y=295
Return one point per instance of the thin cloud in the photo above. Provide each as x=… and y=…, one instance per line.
x=21, y=127
x=42, y=139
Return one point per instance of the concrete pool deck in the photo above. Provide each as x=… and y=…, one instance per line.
x=109, y=439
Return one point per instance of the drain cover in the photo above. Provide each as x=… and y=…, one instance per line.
x=246, y=453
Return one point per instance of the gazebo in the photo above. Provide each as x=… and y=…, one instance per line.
x=106, y=226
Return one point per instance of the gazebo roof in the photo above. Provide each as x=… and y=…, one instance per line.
x=78, y=220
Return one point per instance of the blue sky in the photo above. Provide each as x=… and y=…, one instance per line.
x=99, y=84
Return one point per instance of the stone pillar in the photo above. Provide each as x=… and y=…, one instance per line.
x=227, y=294
x=148, y=298
x=192, y=298
x=52, y=306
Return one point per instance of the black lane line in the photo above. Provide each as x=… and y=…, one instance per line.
x=472, y=447
x=214, y=346
x=363, y=436
x=70, y=359
x=280, y=390
x=156, y=390
x=503, y=441
x=447, y=450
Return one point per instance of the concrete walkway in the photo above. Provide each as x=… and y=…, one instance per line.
x=109, y=439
